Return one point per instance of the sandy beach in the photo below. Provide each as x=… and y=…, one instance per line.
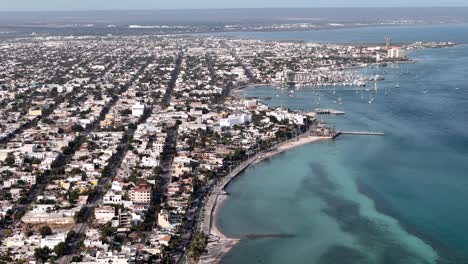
x=302, y=140
x=219, y=244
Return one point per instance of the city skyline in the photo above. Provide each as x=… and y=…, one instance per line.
x=68, y=5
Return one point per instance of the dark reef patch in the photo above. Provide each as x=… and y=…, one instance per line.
x=371, y=235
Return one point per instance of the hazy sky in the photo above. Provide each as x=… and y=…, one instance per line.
x=44, y=5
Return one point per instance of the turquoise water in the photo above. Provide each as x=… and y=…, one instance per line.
x=400, y=198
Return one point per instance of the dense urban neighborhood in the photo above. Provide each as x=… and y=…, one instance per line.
x=110, y=146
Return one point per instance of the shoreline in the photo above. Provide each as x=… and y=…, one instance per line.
x=219, y=244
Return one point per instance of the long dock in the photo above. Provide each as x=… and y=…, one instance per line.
x=359, y=133
x=328, y=112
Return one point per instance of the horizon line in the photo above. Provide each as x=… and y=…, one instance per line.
x=229, y=8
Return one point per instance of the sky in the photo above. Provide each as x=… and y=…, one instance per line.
x=74, y=5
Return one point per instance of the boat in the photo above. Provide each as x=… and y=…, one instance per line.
x=376, y=78
x=397, y=82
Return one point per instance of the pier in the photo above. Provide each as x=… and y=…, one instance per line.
x=359, y=133
x=328, y=112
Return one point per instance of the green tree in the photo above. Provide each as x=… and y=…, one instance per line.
x=45, y=231
x=197, y=246
x=60, y=249
x=70, y=235
x=132, y=126
x=77, y=128
x=10, y=159
x=73, y=196
x=77, y=258
x=42, y=254
x=157, y=170
x=107, y=230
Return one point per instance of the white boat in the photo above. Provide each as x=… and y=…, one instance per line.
x=397, y=82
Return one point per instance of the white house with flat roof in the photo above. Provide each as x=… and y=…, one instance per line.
x=138, y=109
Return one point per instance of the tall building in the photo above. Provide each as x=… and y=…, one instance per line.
x=396, y=53
x=388, y=43
x=141, y=194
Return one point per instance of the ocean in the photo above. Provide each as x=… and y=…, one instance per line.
x=397, y=198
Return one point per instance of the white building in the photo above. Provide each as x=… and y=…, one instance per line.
x=138, y=109
x=112, y=198
x=235, y=120
x=29, y=178
x=396, y=53
x=53, y=240
x=158, y=147
x=250, y=103
x=149, y=162
x=117, y=186
x=378, y=57
x=104, y=214
x=17, y=240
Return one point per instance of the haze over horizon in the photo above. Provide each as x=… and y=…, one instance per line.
x=83, y=5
